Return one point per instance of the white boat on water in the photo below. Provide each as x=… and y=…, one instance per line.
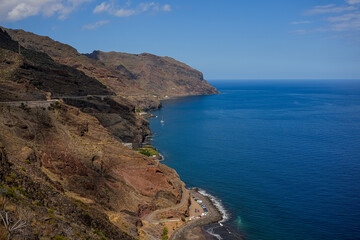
x=162, y=120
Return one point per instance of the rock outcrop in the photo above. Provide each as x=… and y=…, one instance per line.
x=160, y=76
x=33, y=75
x=66, y=178
x=65, y=121
x=142, y=78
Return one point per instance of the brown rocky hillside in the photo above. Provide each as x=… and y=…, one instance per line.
x=67, y=176
x=33, y=75
x=143, y=78
x=161, y=76
x=66, y=121
x=64, y=170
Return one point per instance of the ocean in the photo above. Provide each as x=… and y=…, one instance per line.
x=282, y=157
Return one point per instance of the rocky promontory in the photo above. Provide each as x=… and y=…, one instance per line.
x=69, y=127
x=144, y=79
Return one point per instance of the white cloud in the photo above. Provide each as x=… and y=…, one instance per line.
x=351, y=2
x=127, y=11
x=124, y=12
x=22, y=10
x=143, y=7
x=95, y=25
x=103, y=7
x=166, y=8
x=330, y=8
x=14, y=10
x=345, y=17
x=334, y=18
x=299, y=32
x=301, y=22
x=346, y=22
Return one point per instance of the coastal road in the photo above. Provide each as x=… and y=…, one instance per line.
x=48, y=102
x=150, y=217
x=38, y=103
x=212, y=217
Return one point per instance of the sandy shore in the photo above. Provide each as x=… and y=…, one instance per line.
x=193, y=229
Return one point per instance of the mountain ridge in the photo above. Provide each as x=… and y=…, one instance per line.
x=66, y=123
x=145, y=80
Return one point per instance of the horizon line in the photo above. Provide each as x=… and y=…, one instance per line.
x=281, y=79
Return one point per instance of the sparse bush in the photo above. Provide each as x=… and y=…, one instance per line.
x=11, y=225
x=165, y=234
x=149, y=146
x=59, y=237
x=148, y=152
x=43, y=119
x=87, y=218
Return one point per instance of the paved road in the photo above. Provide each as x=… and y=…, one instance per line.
x=39, y=103
x=212, y=217
x=150, y=217
x=47, y=103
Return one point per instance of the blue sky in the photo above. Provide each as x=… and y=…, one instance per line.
x=239, y=39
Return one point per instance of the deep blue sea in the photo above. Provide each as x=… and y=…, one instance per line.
x=283, y=156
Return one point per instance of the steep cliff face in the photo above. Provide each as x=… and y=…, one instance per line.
x=117, y=80
x=64, y=169
x=161, y=76
x=72, y=177
x=46, y=74
x=144, y=79
x=33, y=75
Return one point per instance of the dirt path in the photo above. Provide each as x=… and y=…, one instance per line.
x=150, y=217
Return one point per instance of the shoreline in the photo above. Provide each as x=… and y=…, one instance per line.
x=205, y=230
x=214, y=216
x=217, y=213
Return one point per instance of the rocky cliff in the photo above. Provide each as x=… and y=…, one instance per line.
x=65, y=170
x=33, y=75
x=160, y=76
x=73, y=178
x=142, y=78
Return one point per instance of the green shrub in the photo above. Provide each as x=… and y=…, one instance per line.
x=149, y=146
x=59, y=237
x=22, y=191
x=11, y=193
x=87, y=219
x=165, y=234
x=148, y=152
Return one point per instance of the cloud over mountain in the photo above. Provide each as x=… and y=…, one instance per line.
x=15, y=10
x=112, y=8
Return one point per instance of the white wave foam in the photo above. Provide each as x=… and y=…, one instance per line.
x=162, y=158
x=218, y=204
x=211, y=232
